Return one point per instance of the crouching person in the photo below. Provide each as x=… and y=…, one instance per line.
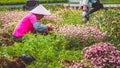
x=17, y=62
x=86, y=4
x=30, y=23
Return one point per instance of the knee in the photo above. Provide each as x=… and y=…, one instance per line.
x=100, y=6
x=97, y=5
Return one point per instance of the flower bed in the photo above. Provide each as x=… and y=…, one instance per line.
x=50, y=51
x=101, y=55
x=84, y=34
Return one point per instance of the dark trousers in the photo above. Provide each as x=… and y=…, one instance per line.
x=96, y=6
x=16, y=39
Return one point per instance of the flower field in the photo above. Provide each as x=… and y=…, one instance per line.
x=73, y=43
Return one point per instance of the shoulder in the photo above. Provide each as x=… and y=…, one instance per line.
x=32, y=16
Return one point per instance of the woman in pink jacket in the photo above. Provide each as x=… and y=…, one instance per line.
x=30, y=23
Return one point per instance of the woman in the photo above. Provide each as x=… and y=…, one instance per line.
x=86, y=4
x=30, y=23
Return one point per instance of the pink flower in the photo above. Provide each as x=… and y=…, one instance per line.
x=102, y=54
x=85, y=34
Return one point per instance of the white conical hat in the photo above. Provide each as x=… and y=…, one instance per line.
x=40, y=10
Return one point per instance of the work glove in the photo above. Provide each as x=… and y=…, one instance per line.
x=86, y=15
x=49, y=28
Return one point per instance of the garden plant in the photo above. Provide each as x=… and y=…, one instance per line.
x=73, y=43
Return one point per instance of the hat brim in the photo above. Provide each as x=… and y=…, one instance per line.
x=40, y=10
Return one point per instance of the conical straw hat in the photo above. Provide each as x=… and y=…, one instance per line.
x=41, y=10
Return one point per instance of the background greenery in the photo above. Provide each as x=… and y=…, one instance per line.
x=23, y=1
x=110, y=1
x=53, y=1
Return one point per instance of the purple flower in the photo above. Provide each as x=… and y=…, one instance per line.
x=102, y=54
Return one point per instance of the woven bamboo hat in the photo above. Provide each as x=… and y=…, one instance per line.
x=40, y=10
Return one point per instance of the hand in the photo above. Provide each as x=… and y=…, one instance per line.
x=85, y=8
x=49, y=27
x=84, y=13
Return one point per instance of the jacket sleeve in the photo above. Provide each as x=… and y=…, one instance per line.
x=85, y=2
x=40, y=28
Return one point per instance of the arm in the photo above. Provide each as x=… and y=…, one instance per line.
x=40, y=28
x=85, y=3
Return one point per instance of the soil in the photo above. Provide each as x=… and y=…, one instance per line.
x=6, y=39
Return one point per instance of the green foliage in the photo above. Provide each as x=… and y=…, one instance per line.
x=48, y=50
x=75, y=45
x=102, y=1
x=54, y=1
x=53, y=8
x=110, y=1
x=24, y=1
x=71, y=17
x=12, y=1
x=0, y=25
x=108, y=21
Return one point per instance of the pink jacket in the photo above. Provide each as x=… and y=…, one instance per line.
x=25, y=25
